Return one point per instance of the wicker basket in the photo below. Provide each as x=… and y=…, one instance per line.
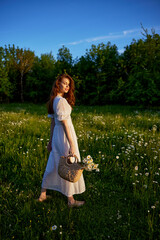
x=70, y=171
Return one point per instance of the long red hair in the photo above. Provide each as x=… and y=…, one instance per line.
x=69, y=96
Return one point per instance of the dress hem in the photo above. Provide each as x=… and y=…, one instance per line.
x=55, y=189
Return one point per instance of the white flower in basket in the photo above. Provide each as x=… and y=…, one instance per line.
x=89, y=165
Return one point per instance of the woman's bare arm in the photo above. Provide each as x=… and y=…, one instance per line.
x=69, y=137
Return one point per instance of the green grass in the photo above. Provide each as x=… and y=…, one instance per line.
x=121, y=202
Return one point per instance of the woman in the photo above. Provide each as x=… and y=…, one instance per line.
x=63, y=141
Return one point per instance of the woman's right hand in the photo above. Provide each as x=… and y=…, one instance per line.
x=72, y=150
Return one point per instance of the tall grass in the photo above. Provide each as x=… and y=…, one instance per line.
x=122, y=200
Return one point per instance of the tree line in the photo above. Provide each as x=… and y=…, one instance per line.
x=102, y=76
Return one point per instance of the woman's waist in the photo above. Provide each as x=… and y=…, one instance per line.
x=59, y=123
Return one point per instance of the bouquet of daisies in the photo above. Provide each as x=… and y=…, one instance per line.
x=89, y=165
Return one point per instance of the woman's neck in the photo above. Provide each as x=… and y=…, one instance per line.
x=60, y=94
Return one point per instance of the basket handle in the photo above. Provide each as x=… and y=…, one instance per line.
x=73, y=155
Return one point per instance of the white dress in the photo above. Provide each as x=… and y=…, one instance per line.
x=60, y=147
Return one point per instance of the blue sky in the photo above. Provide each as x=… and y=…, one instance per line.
x=44, y=26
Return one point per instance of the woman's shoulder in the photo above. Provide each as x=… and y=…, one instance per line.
x=57, y=98
x=60, y=101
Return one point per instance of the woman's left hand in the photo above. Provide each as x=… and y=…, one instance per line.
x=49, y=146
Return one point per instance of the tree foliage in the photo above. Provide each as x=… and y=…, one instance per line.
x=102, y=75
x=5, y=84
x=142, y=61
x=40, y=79
x=23, y=62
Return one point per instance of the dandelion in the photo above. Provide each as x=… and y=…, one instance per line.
x=117, y=157
x=147, y=174
x=155, y=182
x=153, y=207
x=136, y=168
x=54, y=227
x=118, y=216
x=154, y=128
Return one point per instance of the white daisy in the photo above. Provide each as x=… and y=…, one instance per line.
x=54, y=227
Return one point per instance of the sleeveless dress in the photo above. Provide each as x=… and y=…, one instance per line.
x=60, y=147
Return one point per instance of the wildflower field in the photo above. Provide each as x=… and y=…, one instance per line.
x=122, y=199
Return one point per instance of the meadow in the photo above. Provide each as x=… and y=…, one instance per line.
x=122, y=199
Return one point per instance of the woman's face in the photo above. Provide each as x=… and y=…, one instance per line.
x=64, y=85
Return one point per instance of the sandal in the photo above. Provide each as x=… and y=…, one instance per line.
x=43, y=199
x=76, y=204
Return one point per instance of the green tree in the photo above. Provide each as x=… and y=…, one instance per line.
x=142, y=60
x=5, y=84
x=98, y=70
x=40, y=79
x=84, y=70
x=23, y=62
x=13, y=74
x=64, y=61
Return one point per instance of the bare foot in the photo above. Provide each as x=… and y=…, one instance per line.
x=42, y=197
x=75, y=203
